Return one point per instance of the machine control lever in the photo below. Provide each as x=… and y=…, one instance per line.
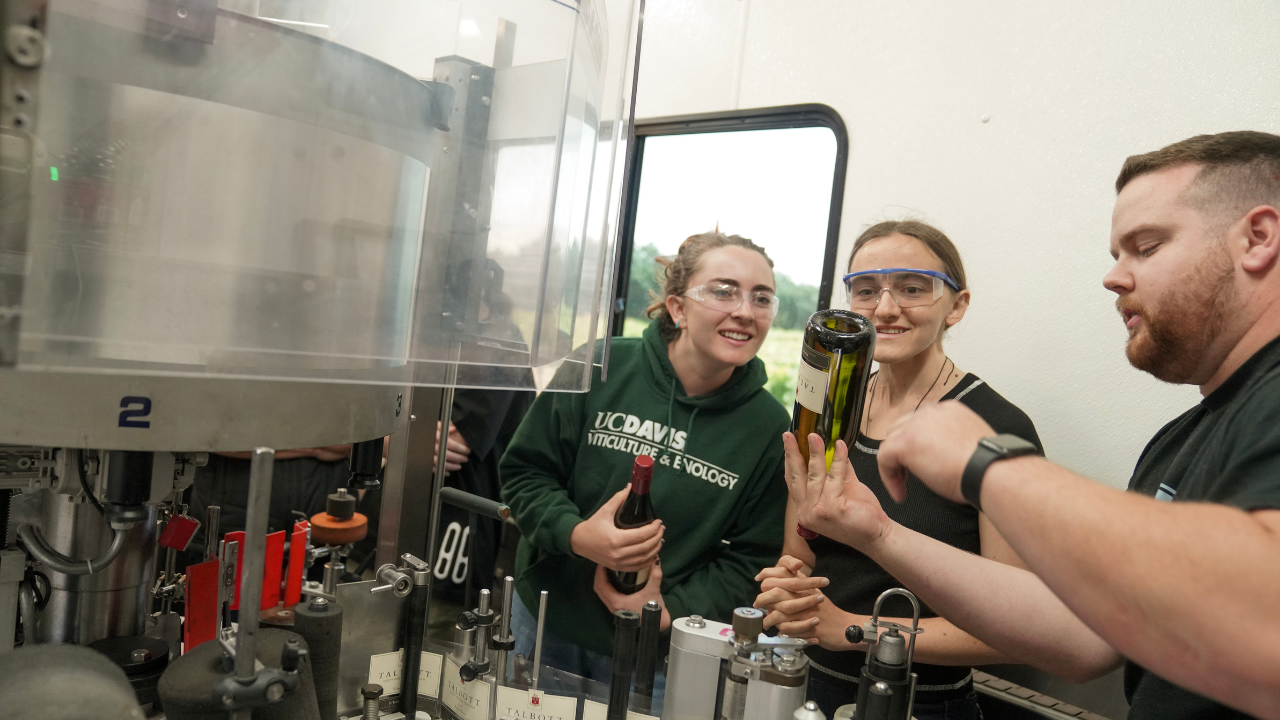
x=392, y=579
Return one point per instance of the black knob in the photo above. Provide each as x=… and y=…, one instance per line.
x=291, y=656
x=341, y=504
x=853, y=634
x=467, y=620
x=468, y=672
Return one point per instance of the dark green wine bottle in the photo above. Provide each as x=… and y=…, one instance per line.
x=831, y=386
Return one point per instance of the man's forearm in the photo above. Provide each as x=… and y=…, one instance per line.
x=1005, y=607
x=1187, y=590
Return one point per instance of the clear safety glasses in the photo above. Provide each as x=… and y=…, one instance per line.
x=909, y=287
x=727, y=298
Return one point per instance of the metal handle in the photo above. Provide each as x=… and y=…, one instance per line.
x=475, y=503
x=392, y=580
x=871, y=630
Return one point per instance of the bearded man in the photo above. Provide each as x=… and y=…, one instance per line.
x=1179, y=578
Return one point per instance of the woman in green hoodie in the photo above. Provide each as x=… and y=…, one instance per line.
x=689, y=393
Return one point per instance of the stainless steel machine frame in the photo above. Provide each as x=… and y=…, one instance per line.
x=725, y=671
x=168, y=289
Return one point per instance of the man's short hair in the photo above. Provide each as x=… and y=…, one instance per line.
x=1240, y=170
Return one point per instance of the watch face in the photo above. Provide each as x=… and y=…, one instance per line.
x=1007, y=444
x=992, y=444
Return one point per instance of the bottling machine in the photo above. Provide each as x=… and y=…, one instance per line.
x=273, y=224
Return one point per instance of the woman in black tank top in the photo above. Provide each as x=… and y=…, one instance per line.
x=907, y=278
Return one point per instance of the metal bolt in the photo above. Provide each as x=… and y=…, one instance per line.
x=182, y=12
x=20, y=120
x=275, y=691
x=695, y=621
x=228, y=699
x=319, y=604
x=140, y=655
x=371, y=693
x=485, y=99
x=25, y=46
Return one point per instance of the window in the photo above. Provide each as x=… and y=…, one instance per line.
x=775, y=176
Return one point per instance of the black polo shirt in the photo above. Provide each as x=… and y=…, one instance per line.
x=1224, y=450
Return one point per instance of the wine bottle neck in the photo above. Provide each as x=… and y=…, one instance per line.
x=640, y=484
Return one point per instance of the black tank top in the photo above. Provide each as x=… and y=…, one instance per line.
x=856, y=581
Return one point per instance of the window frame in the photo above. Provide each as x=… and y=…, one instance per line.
x=770, y=118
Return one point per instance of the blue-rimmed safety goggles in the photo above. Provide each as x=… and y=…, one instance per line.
x=910, y=287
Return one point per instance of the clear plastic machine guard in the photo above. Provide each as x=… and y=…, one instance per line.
x=356, y=191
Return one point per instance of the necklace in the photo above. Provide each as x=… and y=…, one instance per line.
x=876, y=380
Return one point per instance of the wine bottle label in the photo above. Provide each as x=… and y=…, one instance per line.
x=811, y=382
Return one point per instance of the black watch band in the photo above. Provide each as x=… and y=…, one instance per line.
x=989, y=450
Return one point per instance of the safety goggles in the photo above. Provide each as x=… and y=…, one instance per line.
x=909, y=287
x=727, y=298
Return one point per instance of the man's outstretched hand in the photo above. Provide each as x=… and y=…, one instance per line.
x=832, y=502
x=934, y=444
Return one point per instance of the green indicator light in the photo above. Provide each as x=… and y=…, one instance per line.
x=53, y=174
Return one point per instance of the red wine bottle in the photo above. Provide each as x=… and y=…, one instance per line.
x=636, y=511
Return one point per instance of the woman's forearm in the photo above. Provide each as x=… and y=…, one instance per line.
x=939, y=643
x=1008, y=609
x=793, y=544
x=942, y=643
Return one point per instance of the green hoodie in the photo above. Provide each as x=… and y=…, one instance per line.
x=717, y=486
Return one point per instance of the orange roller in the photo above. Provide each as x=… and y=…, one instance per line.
x=329, y=530
x=340, y=524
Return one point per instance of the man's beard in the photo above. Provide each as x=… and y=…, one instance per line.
x=1172, y=344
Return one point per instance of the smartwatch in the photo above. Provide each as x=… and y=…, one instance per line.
x=990, y=449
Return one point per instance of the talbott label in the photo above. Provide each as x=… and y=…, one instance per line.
x=534, y=705
x=467, y=700
x=811, y=380
x=385, y=670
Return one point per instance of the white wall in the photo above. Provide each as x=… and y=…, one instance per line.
x=1068, y=90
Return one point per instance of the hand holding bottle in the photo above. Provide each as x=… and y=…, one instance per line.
x=652, y=590
x=599, y=540
x=831, y=387
x=832, y=502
